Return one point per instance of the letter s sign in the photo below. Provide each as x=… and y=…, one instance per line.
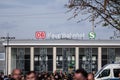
x=92, y=35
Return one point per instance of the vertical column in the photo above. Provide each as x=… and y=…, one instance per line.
x=9, y=59
x=31, y=58
x=54, y=59
x=6, y=60
x=99, y=58
x=76, y=57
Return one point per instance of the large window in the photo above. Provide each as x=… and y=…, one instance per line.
x=110, y=55
x=88, y=59
x=20, y=58
x=117, y=54
x=43, y=59
x=65, y=59
x=104, y=56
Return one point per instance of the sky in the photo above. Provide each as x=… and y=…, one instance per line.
x=22, y=18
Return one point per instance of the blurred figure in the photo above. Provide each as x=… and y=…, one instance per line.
x=23, y=77
x=31, y=75
x=6, y=78
x=90, y=76
x=1, y=78
x=16, y=74
x=1, y=75
x=119, y=75
x=80, y=74
x=70, y=77
x=61, y=75
x=9, y=76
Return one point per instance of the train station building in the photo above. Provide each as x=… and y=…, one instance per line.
x=66, y=55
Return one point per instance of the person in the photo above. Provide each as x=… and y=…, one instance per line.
x=61, y=75
x=119, y=75
x=23, y=77
x=16, y=74
x=90, y=76
x=1, y=78
x=31, y=75
x=1, y=75
x=9, y=76
x=6, y=77
x=80, y=74
x=70, y=76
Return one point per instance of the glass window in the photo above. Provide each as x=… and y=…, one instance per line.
x=88, y=59
x=116, y=72
x=20, y=58
x=2, y=56
x=110, y=55
x=104, y=56
x=104, y=73
x=65, y=59
x=43, y=59
x=117, y=54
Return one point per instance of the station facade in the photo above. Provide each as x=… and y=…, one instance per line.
x=66, y=55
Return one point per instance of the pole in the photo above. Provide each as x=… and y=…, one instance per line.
x=7, y=50
x=93, y=25
x=7, y=38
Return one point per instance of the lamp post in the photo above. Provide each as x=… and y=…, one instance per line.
x=7, y=39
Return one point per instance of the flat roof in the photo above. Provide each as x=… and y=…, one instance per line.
x=22, y=42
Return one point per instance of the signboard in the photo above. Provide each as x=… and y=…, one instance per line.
x=92, y=35
x=2, y=56
x=49, y=35
x=7, y=37
x=40, y=35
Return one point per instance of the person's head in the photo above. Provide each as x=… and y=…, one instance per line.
x=9, y=76
x=60, y=71
x=31, y=75
x=16, y=74
x=48, y=78
x=1, y=73
x=90, y=76
x=80, y=74
x=55, y=72
x=119, y=75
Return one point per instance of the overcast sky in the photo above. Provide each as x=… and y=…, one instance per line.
x=22, y=18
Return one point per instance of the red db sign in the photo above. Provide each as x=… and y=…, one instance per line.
x=40, y=35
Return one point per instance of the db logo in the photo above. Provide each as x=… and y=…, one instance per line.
x=40, y=35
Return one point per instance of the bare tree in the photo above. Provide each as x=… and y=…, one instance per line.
x=106, y=12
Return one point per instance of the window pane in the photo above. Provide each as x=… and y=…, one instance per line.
x=20, y=58
x=88, y=59
x=105, y=73
x=43, y=59
x=116, y=72
x=65, y=59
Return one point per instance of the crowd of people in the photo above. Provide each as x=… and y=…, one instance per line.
x=79, y=74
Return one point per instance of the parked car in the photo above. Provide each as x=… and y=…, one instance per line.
x=109, y=72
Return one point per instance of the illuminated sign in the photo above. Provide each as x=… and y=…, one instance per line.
x=40, y=35
x=92, y=35
x=49, y=35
